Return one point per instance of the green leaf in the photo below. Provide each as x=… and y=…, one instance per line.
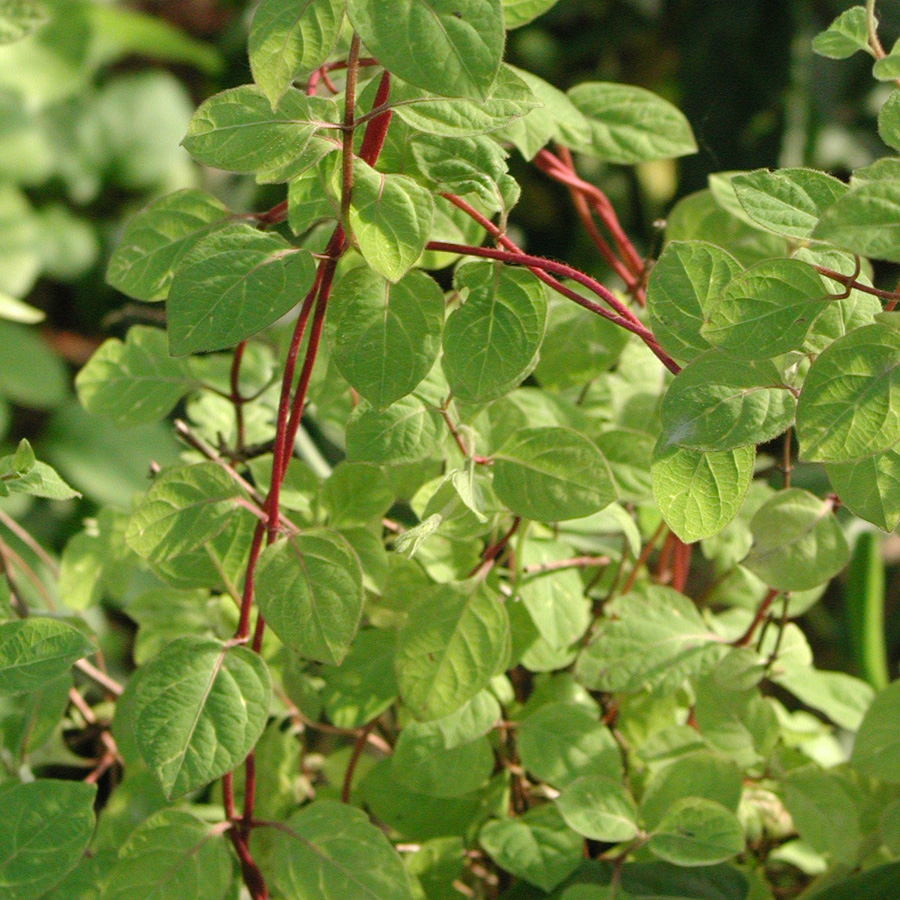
x=158, y=238
x=290, y=39
x=824, y=813
x=788, y=201
x=876, y=750
x=356, y=493
x=452, y=644
x=850, y=404
x=13, y=310
x=554, y=600
x=517, y=13
x=840, y=316
x=234, y=283
x=170, y=856
x=385, y=337
x=599, y=808
x=331, y=849
x=870, y=487
x=655, y=639
x=509, y=99
x=36, y=650
x=537, y=846
x=697, y=832
x=629, y=454
x=888, y=67
x=364, y=685
x=865, y=221
x=407, y=36
x=310, y=197
x=462, y=165
x=121, y=32
x=682, y=288
x=185, y=507
x=557, y=119
x=698, y=774
x=578, y=345
x=423, y=763
x=561, y=741
x=552, y=474
x=873, y=884
x=841, y=697
x=309, y=589
x=719, y=403
x=631, y=125
x=20, y=261
x=133, y=382
x=767, y=310
x=199, y=709
x=491, y=342
x=420, y=817
x=390, y=218
x=19, y=18
x=844, y=36
x=889, y=826
x=697, y=492
x=889, y=119
x=44, y=830
x=473, y=720
x=406, y=432
x=700, y=217
x=238, y=130
x=436, y=864
x=32, y=375
x=797, y=542
x=39, y=481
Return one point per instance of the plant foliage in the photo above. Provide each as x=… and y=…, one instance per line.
x=473, y=574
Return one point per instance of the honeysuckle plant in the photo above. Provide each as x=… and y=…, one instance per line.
x=478, y=574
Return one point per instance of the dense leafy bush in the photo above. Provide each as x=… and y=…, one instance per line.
x=473, y=575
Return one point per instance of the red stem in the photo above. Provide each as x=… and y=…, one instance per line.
x=286, y=427
x=376, y=130
x=249, y=790
x=253, y=878
x=316, y=76
x=228, y=795
x=492, y=551
x=279, y=464
x=358, y=748
x=761, y=611
x=562, y=169
x=312, y=350
x=681, y=562
x=243, y=629
x=625, y=318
